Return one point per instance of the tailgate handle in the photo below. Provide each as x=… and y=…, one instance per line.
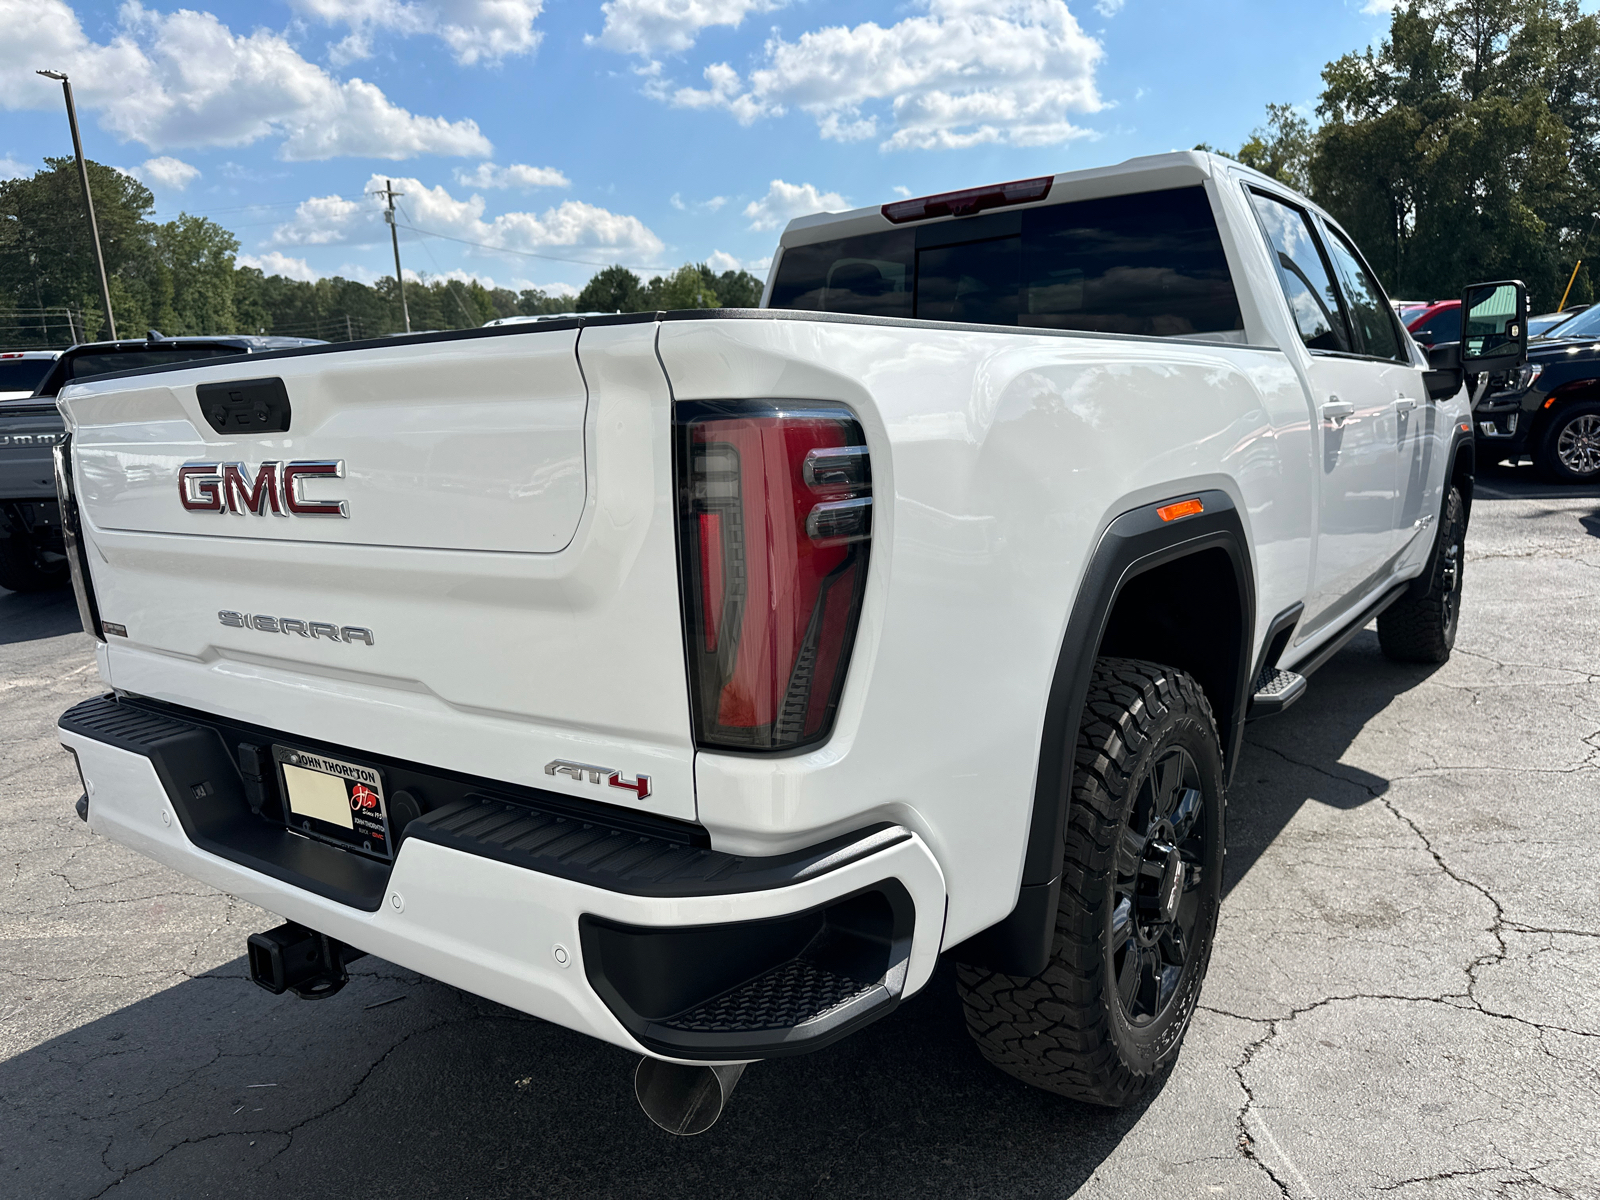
x=245, y=406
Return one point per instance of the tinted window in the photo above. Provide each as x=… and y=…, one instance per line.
x=1373, y=318
x=23, y=374
x=1307, y=283
x=870, y=275
x=90, y=365
x=1441, y=327
x=972, y=281
x=1148, y=264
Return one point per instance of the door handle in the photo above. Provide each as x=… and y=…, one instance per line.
x=1404, y=403
x=1337, y=410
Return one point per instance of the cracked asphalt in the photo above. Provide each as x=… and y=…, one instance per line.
x=1402, y=999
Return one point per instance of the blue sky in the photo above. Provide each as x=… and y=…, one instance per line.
x=569, y=133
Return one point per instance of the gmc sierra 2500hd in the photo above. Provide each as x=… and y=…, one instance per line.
x=695, y=679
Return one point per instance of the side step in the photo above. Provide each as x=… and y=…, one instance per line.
x=1278, y=692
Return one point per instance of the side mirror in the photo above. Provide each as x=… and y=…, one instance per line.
x=1443, y=376
x=1494, y=326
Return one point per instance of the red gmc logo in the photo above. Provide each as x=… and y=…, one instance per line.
x=275, y=486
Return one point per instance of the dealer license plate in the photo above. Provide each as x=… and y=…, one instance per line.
x=334, y=801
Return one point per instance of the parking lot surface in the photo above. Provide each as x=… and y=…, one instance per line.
x=1404, y=998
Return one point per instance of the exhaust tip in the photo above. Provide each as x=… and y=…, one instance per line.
x=684, y=1100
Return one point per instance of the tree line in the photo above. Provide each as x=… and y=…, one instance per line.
x=181, y=277
x=1466, y=145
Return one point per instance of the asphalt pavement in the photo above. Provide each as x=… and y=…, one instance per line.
x=1402, y=999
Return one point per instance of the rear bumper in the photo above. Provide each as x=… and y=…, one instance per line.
x=649, y=972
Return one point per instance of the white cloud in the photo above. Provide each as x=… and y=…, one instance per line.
x=648, y=27
x=517, y=175
x=786, y=200
x=1110, y=8
x=963, y=73
x=712, y=205
x=719, y=262
x=333, y=220
x=274, y=262
x=12, y=168
x=185, y=79
x=168, y=172
x=475, y=30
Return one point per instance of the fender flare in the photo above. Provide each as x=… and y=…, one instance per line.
x=1134, y=543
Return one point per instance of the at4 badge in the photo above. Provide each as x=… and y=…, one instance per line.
x=334, y=801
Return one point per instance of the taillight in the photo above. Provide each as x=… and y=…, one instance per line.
x=775, y=515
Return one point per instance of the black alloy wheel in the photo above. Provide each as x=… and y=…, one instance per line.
x=1421, y=626
x=1157, y=895
x=1141, y=889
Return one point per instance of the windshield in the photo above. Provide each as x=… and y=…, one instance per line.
x=23, y=374
x=1585, y=324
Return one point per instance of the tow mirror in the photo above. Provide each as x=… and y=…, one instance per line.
x=1494, y=326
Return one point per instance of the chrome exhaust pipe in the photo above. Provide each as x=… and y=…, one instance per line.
x=684, y=1100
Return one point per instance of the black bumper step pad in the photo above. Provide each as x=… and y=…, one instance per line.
x=626, y=861
x=790, y=995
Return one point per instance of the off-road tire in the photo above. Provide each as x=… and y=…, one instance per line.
x=1567, y=450
x=21, y=571
x=1069, y=1030
x=1422, y=627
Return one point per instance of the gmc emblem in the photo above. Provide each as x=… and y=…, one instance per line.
x=640, y=787
x=229, y=487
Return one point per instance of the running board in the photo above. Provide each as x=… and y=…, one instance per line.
x=1276, y=694
x=1281, y=688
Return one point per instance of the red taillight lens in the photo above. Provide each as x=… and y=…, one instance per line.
x=776, y=526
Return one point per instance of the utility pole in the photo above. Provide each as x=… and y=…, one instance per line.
x=389, y=193
x=88, y=200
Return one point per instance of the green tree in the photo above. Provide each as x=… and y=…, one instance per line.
x=534, y=303
x=196, y=256
x=1467, y=144
x=47, y=257
x=690, y=286
x=614, y=289
x=738, y=289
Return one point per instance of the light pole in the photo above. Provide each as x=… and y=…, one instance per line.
x=88, y=200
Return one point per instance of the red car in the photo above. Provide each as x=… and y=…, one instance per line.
x=1438, y=322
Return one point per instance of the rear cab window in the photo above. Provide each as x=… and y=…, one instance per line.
x=23, y=374
x=1149, y=263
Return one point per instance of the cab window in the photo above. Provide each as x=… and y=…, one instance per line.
x=1304, y=273
x=1369, y=309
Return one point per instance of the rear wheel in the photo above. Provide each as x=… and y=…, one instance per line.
x=1569, y=451
x=21, y=568
x=1422, y=628
x=1141, y=888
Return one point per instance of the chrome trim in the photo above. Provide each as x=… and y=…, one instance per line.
x=72, y=538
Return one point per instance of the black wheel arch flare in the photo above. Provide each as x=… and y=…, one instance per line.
x=1121, y=609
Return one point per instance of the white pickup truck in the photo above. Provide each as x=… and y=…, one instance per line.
x=696, y=679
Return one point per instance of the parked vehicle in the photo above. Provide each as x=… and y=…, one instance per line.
x=21, y=371
x=1545, y=322
x=695, y=680
x=1438, y=323
x=1549, y=408
x=32, y=557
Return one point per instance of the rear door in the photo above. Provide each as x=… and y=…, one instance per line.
x=1418, y=438
x=1354, y=401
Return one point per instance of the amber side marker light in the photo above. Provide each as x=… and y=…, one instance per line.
x=1183, y=508
x=1465, y=428
x=1549, y=402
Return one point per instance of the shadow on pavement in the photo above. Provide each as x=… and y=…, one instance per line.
x=444, y=1095
x=28, y=616
x=1352, y=687
x=1497, y=481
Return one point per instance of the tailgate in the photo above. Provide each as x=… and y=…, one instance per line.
x=28, y=430
x=499, y=593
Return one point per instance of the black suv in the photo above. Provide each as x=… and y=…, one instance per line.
x=1549, y=408
x=32, y=553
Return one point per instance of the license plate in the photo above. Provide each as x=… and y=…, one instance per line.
x=334, y=801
